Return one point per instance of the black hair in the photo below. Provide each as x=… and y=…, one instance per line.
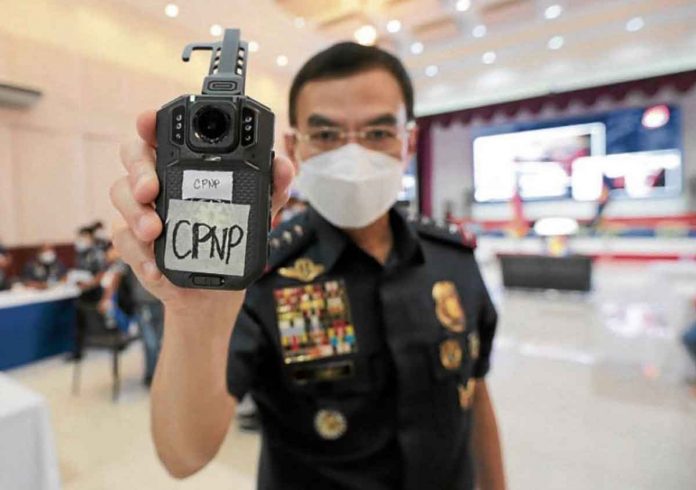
x=345, y=59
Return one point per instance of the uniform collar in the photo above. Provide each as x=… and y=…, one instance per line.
x=333, y=241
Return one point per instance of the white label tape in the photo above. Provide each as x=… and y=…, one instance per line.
x=206, y=184
x=206, y=237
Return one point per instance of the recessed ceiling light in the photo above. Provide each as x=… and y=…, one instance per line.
x=553, y=11
x=216, y=30
x=488, y=57
x=417, y=48
x=479, y=31
x=635, y=24
x=282, y=60
x=253, y=46
x=463, y=5
x=171, y=10
x=556, y=42
x=299, y=22
x=366, y=35
x=431, y=70
x=393, y=26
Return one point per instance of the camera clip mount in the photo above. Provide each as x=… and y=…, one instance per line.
x=227, y=72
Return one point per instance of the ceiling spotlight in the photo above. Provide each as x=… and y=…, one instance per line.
x=393, y=26
x=463, y=5
x=635, y=24
x=253, y=46
x=282, y=60
x=216, y=30
x=299, y=22
x=366, y=35
x=556, y=42
x=417, y=48
x=488, y=57
x=479, y=31
x=553, y=11
x=431, y=70
x=171, y=10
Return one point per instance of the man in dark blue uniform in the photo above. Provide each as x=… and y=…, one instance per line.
x=366, y=343
x=5, y=262
x=44, y=270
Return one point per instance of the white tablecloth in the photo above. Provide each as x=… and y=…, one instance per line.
x=27, y=450
x=27, y=296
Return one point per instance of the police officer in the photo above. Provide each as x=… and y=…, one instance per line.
x=44, y=270
x=366, y=343
x=89, y=256
x=5, y=263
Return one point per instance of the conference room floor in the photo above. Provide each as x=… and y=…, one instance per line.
x=590, y=391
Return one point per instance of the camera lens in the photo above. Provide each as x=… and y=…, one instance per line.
x=211, y=124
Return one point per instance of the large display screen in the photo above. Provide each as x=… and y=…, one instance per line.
x=539, y=163
x=636, y=175
x=631, y=153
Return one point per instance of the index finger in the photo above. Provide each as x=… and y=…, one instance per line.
x=146, y=124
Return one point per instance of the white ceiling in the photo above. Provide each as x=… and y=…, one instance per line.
x=597, y=48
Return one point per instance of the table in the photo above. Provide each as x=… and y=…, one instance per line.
x=35, y=324
x=27, y=449
x=573, y=272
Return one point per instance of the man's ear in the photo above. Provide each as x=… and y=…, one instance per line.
x=290, y=141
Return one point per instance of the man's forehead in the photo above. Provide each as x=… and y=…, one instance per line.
x=353, y=99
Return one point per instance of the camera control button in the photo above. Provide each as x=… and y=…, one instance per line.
x=177, y=125
x=207, y=281
x=249, y=128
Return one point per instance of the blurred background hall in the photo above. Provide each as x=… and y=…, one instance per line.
x=562, y=133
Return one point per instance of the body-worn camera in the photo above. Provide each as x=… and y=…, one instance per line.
x=214, y=159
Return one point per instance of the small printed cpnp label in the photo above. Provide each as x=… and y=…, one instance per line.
x=205, y=184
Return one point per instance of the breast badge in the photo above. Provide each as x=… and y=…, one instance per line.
x=466, y=393
x=314, y=321
x=303, y=269
x=330, y=424
x=448, y=308
x=451, y=354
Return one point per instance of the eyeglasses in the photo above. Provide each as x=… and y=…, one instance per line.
x=378, y=137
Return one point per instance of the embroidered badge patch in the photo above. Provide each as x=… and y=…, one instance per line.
x=314, y=321
x=451, y=354
x=304, y=270
x=330, y=424
x=448, y=308
x=466, y=393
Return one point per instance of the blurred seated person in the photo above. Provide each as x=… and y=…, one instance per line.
x=5, y=263
x=689, y=339
x=88, y=255
x=90, y=260
x=44, y=270
x=109, y=282
x=101, y=237
x=148, y=313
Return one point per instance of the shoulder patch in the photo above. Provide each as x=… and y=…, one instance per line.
x=288, y=240
x=452, y=234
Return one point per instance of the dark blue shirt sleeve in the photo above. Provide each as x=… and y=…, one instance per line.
x=487, y=322
x=248, y=344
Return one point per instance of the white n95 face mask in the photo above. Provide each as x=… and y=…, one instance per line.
x=350, y=186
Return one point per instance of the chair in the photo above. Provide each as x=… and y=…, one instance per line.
x=99, y=334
